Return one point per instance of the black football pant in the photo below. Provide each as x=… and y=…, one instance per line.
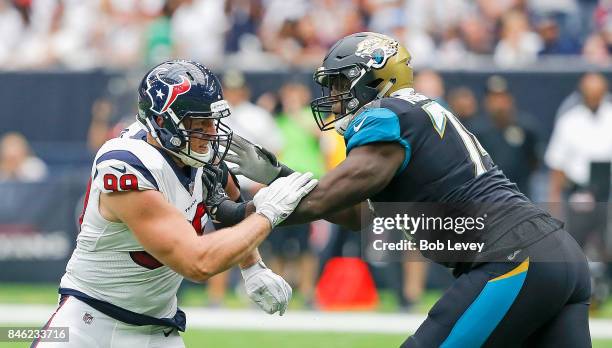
x=541, y=300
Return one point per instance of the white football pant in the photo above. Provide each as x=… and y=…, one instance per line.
x=93, y=329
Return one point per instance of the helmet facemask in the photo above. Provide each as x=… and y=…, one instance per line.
x=375, y=66
x=339, y=98
x=179, y=141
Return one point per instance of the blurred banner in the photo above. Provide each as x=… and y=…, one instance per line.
x=37, y=229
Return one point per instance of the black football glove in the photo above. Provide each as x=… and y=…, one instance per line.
x=212, y=185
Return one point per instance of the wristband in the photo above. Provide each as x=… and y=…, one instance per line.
x=230, y=213
x=255, y=268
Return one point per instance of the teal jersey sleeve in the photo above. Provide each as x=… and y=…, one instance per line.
x=376, y=125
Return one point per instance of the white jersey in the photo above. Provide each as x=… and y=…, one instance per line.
x=108, y=263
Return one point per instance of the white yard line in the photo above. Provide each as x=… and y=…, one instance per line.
x=226, y=319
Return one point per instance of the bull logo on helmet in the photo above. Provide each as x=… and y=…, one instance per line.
x=163, y=94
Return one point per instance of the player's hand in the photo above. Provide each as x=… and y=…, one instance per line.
x=277, y=201
x=254, y=162
x=267, y=289
x=214, y=194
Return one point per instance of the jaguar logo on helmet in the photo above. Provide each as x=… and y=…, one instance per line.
x=163, y=94
x=378, y=48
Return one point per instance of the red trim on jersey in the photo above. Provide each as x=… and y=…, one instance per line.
x=85, y=203
x=144, y=259
x=197, y=218
x=63, y=300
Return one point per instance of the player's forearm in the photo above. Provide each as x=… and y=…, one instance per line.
x=229, y=246
x=366, y=171
x=333, y=200
x=323, y=205
x=349, y=218
x=250, y=260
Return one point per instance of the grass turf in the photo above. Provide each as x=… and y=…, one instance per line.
x=195, y=296
x=267, y=339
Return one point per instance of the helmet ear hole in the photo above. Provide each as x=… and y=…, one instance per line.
x=171, y=141
x=352, y=105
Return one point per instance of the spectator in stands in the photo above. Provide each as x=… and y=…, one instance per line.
x=100, y=128
x=11, y=28
x=435, y=17
x=595, y=50
x=252, y=122
x=552, y=41
x=244, y=19
x=580, y=141
x=510, y=137
x=564, y=13
x=107, y=121
x=606, y=32
x=198, y=28
x=119, y=37
x=575, y=98
x=160, y=45
x=288, y=31
x=119, y=33
x=17, y=162
x=296, y=42
x=333, y=19
x=519, y=46
x=383, y=15
x=464, y=105
x=430, y=84
x=493, y=11
x=477, y=35
x=581, y=136
x=301, y=150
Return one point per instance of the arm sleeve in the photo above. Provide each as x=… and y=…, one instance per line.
x=376, y=125
x=121, y=170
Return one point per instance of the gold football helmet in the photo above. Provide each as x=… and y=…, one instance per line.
x=358, y=69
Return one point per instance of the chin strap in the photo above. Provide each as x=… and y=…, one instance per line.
x=185, y=158
x=385, y=89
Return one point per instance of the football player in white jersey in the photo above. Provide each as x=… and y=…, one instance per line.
x=145, y=208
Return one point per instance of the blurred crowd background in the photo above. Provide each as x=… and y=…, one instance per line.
x=78, y=34
x=528, y=77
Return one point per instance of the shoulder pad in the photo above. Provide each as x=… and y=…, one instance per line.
x=410, y=96
x=127, y=165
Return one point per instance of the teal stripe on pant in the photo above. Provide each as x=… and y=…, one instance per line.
x=484, y=314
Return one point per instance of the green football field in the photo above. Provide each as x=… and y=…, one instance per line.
x=271, y=339
x=195, y=296
x=261, y=339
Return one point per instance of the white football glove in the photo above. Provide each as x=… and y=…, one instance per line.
x=277, y=201
x=267, y=289
x=254, y=162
